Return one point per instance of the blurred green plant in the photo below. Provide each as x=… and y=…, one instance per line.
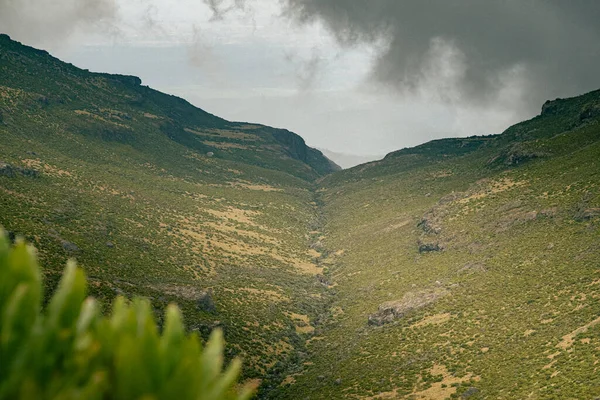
x=71, y=351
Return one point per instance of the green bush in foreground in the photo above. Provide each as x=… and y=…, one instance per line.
x=71, y=351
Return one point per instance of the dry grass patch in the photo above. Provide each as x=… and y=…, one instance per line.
x=183, y=291
x=568, y=340
x=225, y=145
x=302, y=322
x=48, y=169
x=266, y=295
x=396, y=226
x=102, y=119
x=443, y=389
x=235, y=214
x=436, y=319
x=493, y=187
x=252, y=186
x=230, y=134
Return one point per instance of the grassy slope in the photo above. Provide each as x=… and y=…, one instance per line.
x=519, y=273
x=127, y=187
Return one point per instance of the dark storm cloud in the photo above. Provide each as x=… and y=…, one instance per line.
x=479, y=46
x=50, y=21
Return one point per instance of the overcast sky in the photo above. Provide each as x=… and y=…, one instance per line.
x=353, y=76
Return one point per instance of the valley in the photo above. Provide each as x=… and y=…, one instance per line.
x=461, y=268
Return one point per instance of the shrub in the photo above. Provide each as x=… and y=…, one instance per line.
x=71, y=351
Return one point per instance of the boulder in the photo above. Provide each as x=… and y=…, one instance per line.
x=7, y=170
x=429, y=247
x=30, y=173
x=70, y=246
x=205, y=302
x=470, y=392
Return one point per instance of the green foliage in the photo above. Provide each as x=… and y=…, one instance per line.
x=72, y=351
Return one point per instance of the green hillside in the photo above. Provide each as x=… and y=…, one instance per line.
x=465, y=268
x=157, y=198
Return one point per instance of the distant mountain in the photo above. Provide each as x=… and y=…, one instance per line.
x=346, y=160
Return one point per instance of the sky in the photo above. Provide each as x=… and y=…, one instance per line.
x=357, y=77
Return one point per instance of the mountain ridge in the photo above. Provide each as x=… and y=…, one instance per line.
x=175, y=108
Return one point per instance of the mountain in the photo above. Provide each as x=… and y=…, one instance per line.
x=461, y=268
x=466, y=268
x=157, y=198
x=345, y=160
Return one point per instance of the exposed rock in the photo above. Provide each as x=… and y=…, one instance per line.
x=548, y=212
x=338, y=381
x=429, y=225
x=110, y=245
x=7, y=170
x=70, y=247
x=551, y=107
x=411, y=301
x=31, y=173
x=429, y=247
x=590, y=213
x=518, y=153
x=590, y=112
x=12, y=171
x=451, y=197
x=530, y=216
x=205, y=302
x=472, y=391
x=316, y=245
x=210, y=154
x=323, y=280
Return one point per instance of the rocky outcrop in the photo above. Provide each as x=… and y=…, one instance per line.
x=429, y=224
x=7, y=170
x=590, y=213
x=590, y=112
x=11, y=171
x=551, y=107
x=392, y=310
x=428, y=247
x=205, y=302
x=70, y=247
x=517, y=154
